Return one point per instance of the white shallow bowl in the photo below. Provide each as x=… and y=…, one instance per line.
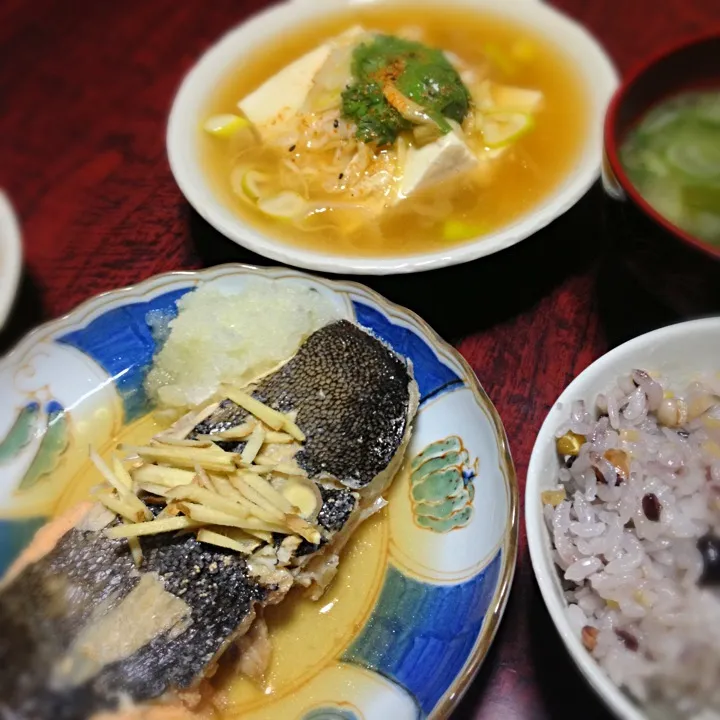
x=10, y=257
x=581, y=49
x=678, y=351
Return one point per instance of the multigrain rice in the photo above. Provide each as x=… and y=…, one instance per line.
x=635, y=522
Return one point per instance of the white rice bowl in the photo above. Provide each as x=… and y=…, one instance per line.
x=616, y=543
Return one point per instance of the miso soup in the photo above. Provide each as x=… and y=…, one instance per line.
x=673, y=159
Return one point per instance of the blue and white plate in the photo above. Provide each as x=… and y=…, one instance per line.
x=410, y=617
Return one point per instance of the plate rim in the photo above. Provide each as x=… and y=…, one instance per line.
x=510, y=542
x=11, y=256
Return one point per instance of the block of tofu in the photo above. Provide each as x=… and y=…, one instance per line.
x=285, y=92
x=436, y=162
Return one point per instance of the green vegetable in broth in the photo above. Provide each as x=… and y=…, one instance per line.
x=673, y=158
x=702, y=197
x=400, y=84
x=376, y=120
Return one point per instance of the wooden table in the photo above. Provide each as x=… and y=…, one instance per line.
x=85, y=89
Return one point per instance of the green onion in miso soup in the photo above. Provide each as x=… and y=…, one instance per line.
x=673, y=159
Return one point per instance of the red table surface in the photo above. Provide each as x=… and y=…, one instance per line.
x=85, y=90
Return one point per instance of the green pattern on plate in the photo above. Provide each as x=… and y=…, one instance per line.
x=441, y=486
x=54, y=443
x=21, y=432
x=330, y=714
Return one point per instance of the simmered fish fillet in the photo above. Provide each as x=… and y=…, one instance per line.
x=354, y=399
x=84, y=631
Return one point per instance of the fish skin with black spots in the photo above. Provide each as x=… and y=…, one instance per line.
x=355, y=399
